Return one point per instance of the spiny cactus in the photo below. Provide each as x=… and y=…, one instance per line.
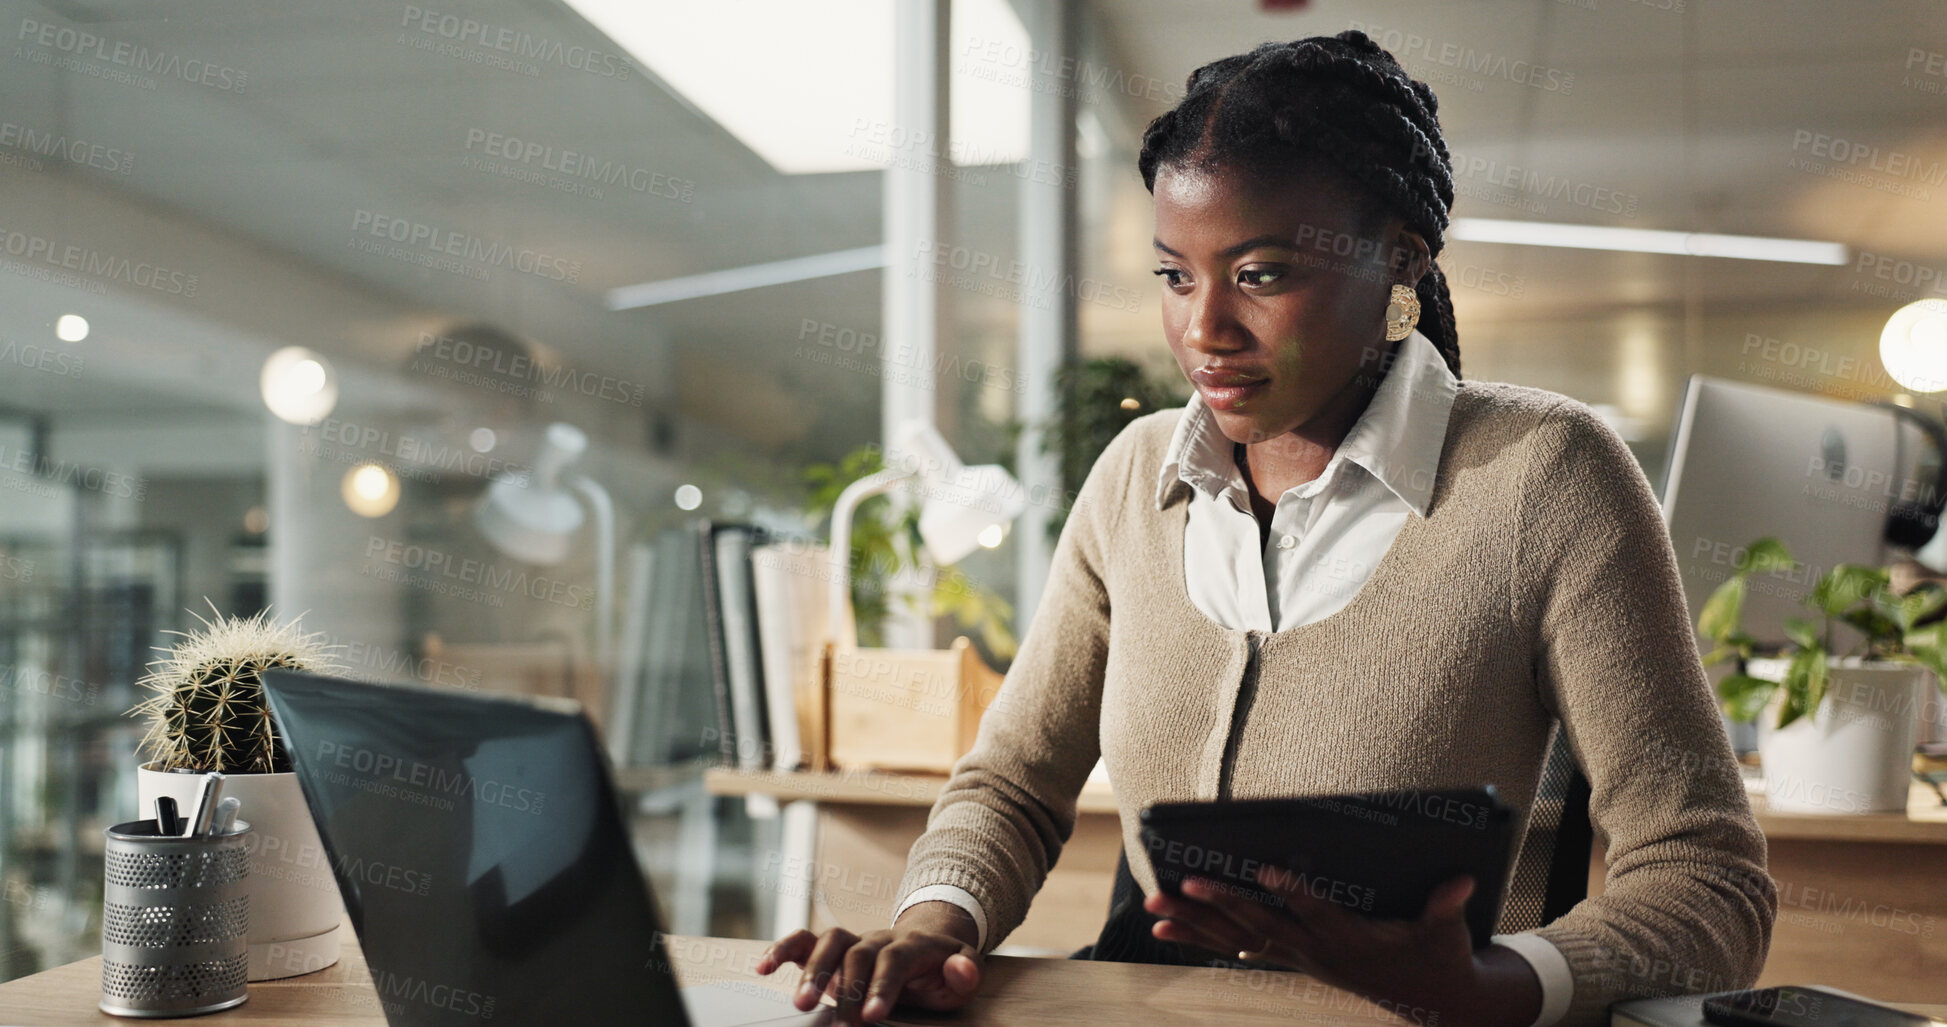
x=207, y=709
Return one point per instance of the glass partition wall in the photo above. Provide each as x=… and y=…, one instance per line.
x=285, y=289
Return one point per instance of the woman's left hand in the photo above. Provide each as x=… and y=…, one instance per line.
x=1426, y=965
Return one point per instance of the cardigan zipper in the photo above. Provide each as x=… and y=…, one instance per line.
x=1246, y=695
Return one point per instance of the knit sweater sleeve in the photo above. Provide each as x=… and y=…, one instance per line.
x=1009, y=806
x=1686, y=905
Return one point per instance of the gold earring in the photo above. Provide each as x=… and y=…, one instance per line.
x=1402, y=313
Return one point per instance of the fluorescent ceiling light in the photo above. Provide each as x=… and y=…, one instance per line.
x=1647, y=240
x=753, y=276
x=808, y=86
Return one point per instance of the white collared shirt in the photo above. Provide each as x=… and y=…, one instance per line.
x=1327, y=535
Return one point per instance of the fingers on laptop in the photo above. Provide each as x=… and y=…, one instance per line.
x=933, y=971
x=792, y=948
x=867, y=976
x=850, y=989
x=826, y=958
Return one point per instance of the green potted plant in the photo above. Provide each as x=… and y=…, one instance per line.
x=1837, y=723
x=206, y=712
x=1094, y=400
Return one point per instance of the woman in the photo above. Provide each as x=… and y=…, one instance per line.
x=1340, y=569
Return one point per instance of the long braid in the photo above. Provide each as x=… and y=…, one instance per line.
x=1341, y=99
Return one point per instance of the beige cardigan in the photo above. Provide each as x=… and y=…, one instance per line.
x=1541, y=583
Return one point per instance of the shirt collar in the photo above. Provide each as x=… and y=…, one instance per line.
x=1397, y=439
x=1199, y=456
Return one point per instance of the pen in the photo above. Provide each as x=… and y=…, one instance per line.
x=199, y=819
x=226, y=816
x=166, y=821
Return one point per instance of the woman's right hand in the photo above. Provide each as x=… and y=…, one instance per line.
x=928, y=958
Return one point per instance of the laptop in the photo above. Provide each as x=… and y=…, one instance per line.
x=482, y=856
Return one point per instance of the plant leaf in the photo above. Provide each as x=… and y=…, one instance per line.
x=1920, y=604
x=1876, y=628
x=1802, y=631
x=1845, y=586
x=1928, y=653
x=1745, y=696
x=977, y=608
x=1796, y=682
x=1887, y=606
x=1788, y=711
x=1815, y=678
x=1722, y=611
x=1765, y=555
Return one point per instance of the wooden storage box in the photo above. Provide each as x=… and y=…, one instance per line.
x=905, y=709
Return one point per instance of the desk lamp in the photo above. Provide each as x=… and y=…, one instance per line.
x=533, y=517
x=963, y=508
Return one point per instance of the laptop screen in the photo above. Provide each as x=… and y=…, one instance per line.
x=481, y=854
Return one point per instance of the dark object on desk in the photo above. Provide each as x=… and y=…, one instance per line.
x=1378, y=853
x=175, y=920
x=166, y=818
x=1788, y=1007
x=1804, y=1007
x=1550, y=876
x=1677, y=1011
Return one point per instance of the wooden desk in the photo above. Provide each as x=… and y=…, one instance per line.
x=1862, y=899
x=1016, y=991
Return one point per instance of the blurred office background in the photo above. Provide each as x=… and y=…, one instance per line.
x=283, y=287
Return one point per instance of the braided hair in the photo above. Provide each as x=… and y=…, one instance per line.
x=1338, y=99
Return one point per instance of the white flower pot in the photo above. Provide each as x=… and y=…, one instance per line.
x=1854, y=754
x=294, y=902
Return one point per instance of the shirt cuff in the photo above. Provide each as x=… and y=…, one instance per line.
x=1557, y=983
x=965, y=900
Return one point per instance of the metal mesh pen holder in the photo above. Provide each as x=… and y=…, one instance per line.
x=174, y=922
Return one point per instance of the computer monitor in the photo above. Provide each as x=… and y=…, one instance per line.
x=1819, y=474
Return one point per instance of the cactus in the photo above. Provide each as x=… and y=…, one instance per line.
x=207, y=709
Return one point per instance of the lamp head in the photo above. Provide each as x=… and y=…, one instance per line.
x=969, y=512
x=534, y=518
x=962, y=508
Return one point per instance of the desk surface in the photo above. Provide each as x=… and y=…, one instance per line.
x=1925, y=820
x=1016, y=991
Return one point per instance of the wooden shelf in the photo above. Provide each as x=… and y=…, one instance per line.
x=1925, y=821
x=863, y=787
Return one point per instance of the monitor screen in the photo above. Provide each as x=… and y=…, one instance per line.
x=1818, y=474
x=481, y=854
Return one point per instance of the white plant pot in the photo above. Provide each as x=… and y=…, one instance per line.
x=1854, y=754
x=294, y=903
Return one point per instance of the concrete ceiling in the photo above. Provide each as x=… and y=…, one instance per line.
x=1693, y=118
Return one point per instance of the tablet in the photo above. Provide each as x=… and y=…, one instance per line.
x=1380, y=853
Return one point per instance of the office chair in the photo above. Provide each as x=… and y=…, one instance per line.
x=1551, y=871
x=1550, y=875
